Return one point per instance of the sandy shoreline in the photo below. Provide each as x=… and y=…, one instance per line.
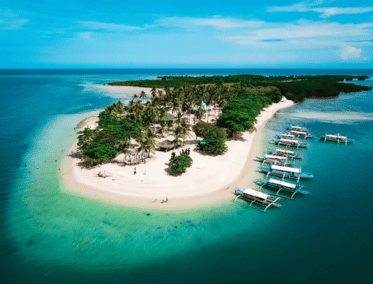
x=210, y=180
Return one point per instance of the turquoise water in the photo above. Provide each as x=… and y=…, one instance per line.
x=48, y=236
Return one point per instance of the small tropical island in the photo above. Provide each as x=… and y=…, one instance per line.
x=184, y=141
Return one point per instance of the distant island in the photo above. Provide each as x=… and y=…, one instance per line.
x=211, y=120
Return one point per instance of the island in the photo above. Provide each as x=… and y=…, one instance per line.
x=184, y=142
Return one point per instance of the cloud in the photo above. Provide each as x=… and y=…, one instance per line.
x=10, y=20
x=307, y=33
x=325, y=12
x=92, y=25
x=349, y=53
x=215, y=22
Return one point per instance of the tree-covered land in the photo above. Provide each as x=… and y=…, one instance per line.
x=295, y=88
x=177, y=105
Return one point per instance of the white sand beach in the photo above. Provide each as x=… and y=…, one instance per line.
x=209, y=180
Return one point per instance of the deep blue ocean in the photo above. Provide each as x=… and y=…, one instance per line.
x=50, y=236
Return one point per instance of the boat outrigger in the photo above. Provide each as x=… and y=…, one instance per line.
x=336, y=138
x=284, y=153
x=279, y=185
x=285, y=172
x=257, y=197
x=274, y=160
x=289, y=143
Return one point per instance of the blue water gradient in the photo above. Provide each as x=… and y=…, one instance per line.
x=49, y=236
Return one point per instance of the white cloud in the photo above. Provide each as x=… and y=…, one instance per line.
x=10, y=20
x=92, y=25
x=325, y=12
x=349, y=53
x=312, y=33
x=215, y=22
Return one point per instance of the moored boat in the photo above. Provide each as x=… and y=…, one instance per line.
x=279, y=185
x=289, y=143
x=285, y=136
x=274, y=160
x=286, y=172
x=284, y=153
x=338, y=138
x=297, y=128
x=301, y=134
x=257, y=197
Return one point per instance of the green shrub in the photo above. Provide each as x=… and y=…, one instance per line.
x=179, y=163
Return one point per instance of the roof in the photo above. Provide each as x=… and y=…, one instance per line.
x=275, y=157
x=255, y=193
x=283, y=183
x=168, y=117
x=289, y=140
x=166, y=144
x=285, y=169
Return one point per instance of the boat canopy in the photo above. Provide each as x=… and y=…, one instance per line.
x=298, y=132
x=289, y=140
x=255, y=193
x=297, y=128
x=335, y=136
x=285, y=169
x=283, y=183
x=287, y=135
x=275, y=157
x=284, y=151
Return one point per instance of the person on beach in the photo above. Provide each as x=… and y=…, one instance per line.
x=134, y=172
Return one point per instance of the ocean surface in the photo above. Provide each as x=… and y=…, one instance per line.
x=49, y=236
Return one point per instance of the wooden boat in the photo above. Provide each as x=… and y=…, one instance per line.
x=279, y=185
x=257, y=197
x=297, y=128
x=285, y=172
x=301, y=134
x=285, y=136
x=284, y=153
x=289, y=143
x=274, y=160
x=338, y=138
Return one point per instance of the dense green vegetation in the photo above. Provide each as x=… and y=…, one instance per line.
x=179, y=163
x=214, y=138
x=184, y=101
x=296, y=88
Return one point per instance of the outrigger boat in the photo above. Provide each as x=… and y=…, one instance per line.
x=285, y=136
x=284, y=153
x=274, y=160
x=336, y=138
x=297, y=128
x=289, y=143
x=286, y=172
x=301, y=134
x=257, y=197
x=279, y=185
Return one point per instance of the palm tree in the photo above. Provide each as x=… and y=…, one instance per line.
x=143, y=95
x=147, y=143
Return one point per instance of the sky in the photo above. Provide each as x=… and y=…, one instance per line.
x=177, y=34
